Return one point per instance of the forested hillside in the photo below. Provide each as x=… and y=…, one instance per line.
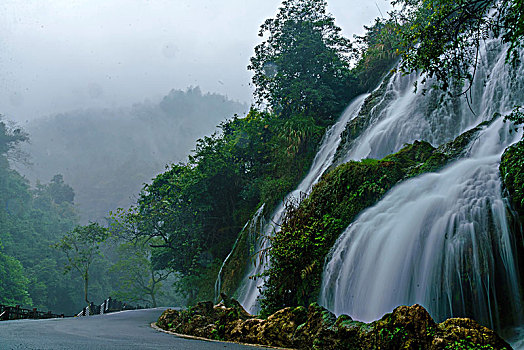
x=106, y=155
x=31, y=220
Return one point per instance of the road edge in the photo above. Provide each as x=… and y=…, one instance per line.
x=185, y=336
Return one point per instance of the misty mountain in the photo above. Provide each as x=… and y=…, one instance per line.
x=106, y=155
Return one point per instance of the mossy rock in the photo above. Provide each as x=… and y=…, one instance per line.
x=511, y=169
x=407, y=327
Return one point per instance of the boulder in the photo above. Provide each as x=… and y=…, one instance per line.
x=279, y=328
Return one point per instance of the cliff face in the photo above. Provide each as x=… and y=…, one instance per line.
x=512, y=173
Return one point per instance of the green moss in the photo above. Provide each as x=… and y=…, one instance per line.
x=466, y=344
x=511, y=169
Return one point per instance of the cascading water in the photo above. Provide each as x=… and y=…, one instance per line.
x=253, y=227
x=401, y=116
x=441, y=240
x=250, y=289
x=436, y=240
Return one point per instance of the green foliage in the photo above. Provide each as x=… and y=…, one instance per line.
x=516, y=116
x=138, y=280
x=13, y=281
x=192, y=213
x=378, y=50
x=31, y=220
x=82, y=247
x=10, y=139
x=302, y=68
x=513, y=176
x=467, y=344
x=59, y=191
x=441, y=38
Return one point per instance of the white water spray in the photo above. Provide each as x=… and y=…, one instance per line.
x=253, y=227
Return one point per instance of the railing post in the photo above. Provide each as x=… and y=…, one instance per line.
x=7, y=313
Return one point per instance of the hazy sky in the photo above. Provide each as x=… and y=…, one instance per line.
x=58, y=55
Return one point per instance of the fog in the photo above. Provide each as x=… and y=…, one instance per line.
x=59, y=55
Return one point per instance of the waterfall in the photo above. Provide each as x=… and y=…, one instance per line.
x=253, y=227
x=401, y=116
x=442, y=239
x=436, y=240
x=250, y=288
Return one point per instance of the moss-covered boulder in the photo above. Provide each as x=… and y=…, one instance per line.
x=279, y=328
x=512, y=172
x=407, y=327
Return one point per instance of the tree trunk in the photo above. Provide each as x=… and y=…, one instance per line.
x=86, y=282
x=153, y=298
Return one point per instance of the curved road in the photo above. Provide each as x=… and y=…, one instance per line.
x=121, y=330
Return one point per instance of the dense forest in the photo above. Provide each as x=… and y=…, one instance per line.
x=191, y=223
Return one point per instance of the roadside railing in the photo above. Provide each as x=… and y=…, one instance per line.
x=18, y=313
x=109, y=305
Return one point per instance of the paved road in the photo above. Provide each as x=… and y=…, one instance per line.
x=117, y=331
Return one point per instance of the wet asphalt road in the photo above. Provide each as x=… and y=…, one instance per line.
x=118, y=331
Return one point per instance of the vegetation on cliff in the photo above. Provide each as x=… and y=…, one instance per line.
x=511, y=168
x=311, y=227
x=441, y=38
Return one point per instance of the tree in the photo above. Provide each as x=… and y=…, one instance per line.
x=60, y=192
x=139, y=281
x=376, y=52
x=82, y=247
x=13, y=282
x=10, y=139
x=441, y=38
x=303, y=65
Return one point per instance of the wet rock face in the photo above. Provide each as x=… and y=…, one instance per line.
x=407, y=327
